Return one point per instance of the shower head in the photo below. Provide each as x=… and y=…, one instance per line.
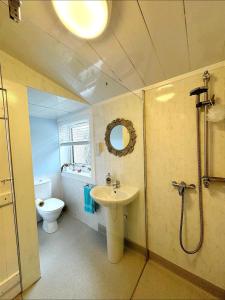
x=198, y=91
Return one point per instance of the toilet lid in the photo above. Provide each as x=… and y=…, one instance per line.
x=52, y=204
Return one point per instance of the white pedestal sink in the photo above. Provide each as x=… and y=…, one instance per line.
x=114, y=201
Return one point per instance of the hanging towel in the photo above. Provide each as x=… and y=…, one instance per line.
x=90, y=206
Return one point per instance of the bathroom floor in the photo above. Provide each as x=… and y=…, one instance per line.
x=74, y=265
x=159, y=283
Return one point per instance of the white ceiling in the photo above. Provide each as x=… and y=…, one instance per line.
x=49, y=106
x=146, y=42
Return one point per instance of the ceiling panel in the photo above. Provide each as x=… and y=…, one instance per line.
x=105, y=52
x=45, y=105
x=41, y=14
x=145, y=42
x=166, y=24
x=115, y=57
x=37, y=97
x=130, y=30
x=54, y=59
x=206, y=32
x=35, y=108
x=46, y=113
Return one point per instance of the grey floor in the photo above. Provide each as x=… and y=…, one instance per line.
x=74, y=265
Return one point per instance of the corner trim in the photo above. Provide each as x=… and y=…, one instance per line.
x=196, y=280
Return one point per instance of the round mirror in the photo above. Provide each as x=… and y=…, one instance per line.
x=120, y=137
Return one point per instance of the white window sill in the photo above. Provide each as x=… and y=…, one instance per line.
x=82, y=176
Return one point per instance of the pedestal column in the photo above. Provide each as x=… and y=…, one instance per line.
x=115, y=233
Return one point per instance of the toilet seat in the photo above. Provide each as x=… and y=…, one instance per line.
x=49, y=212
x=50, y=205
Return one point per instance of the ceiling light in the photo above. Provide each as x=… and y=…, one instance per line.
x=85, y=18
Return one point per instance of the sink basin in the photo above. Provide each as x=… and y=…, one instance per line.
x=114, y=201
x=107, y=196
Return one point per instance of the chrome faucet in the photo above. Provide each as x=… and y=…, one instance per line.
x=116, y=184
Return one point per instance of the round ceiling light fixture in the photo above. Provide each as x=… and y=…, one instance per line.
x=85, y=18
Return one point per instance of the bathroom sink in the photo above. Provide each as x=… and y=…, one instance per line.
x=107, y=196
x=114, y=200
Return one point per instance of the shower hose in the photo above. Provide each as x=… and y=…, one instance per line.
x=182, y=192
x=198, y=247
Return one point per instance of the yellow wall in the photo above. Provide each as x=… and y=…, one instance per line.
x=171, y=155
x=8, y=251
x=24, y=186
x=17, y=77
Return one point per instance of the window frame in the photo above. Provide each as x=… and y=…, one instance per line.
x=77, y=118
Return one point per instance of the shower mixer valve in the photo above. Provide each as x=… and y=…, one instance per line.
x=182, y=186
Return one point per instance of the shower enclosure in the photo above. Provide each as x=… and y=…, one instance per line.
x=206, y=179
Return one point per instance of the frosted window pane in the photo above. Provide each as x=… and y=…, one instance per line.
x=80, y=132
x=82, y=154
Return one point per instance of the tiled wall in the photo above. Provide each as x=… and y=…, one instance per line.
x=171, y=155
x=73, y=196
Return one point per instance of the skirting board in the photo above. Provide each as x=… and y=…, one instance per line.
x=196, y=280
x=10, y=286
x=12, y=293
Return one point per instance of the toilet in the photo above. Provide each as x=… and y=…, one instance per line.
x=48, y=208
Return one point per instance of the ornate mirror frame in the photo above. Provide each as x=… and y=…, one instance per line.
x=130, y=147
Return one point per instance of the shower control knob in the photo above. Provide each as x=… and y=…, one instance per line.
x=206, y=181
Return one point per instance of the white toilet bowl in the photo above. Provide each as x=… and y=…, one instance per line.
x=49, y=209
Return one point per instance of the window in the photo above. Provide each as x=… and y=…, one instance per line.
x=75, y=148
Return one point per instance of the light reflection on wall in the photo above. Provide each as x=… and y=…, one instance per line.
x=164, y=93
